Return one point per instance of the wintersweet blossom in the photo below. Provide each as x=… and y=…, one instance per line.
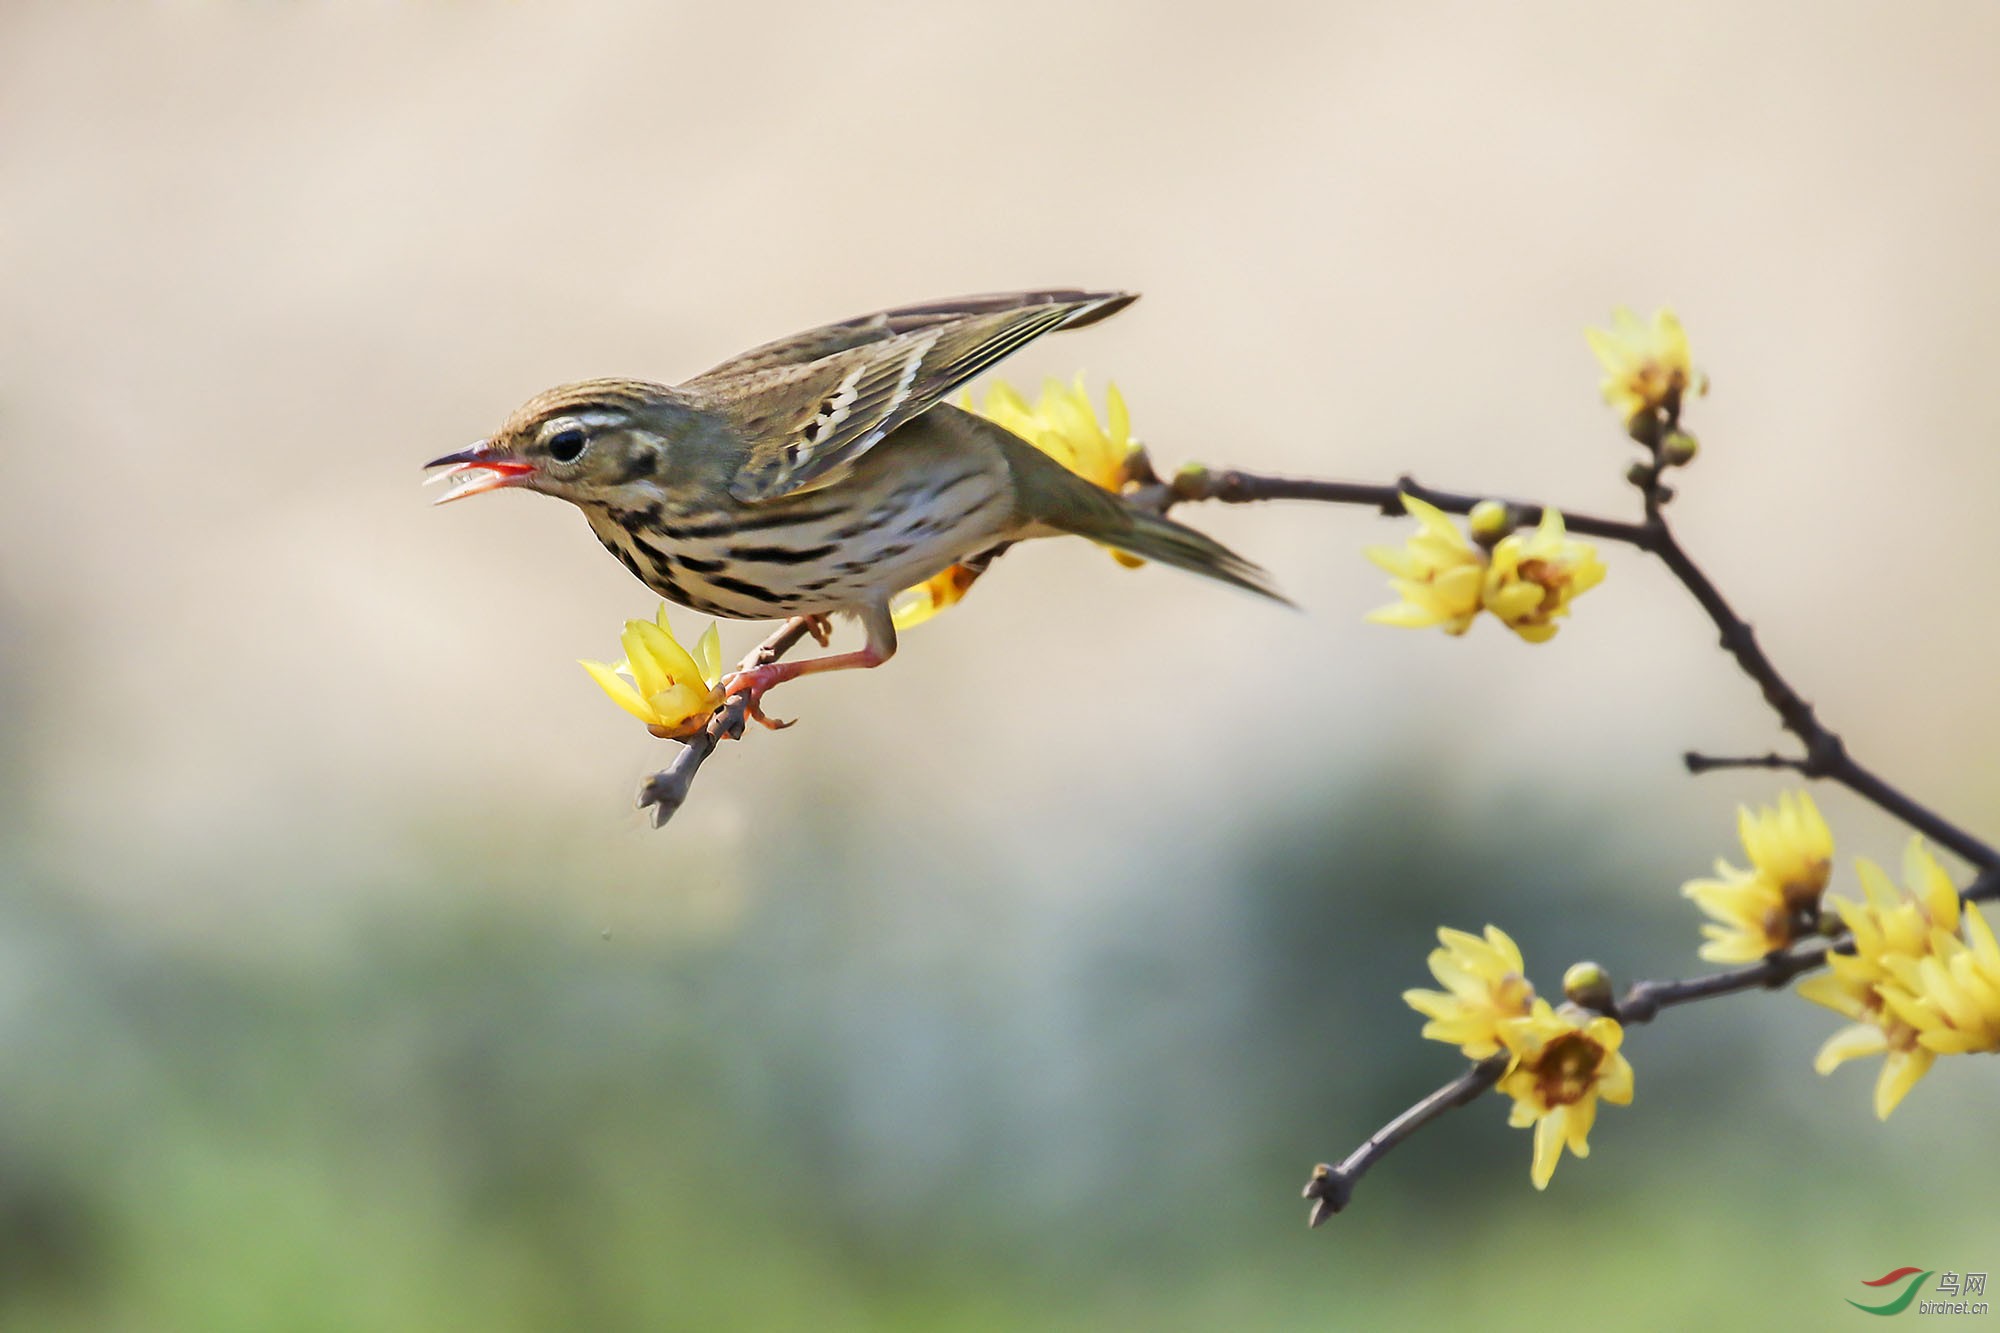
x=1484, y=985
x=1438, y=573
x=1646, y=365
x=1445, y=578
x=1532, y=579
x=1063, y=424
x=1776, y=901
x=1566, y=1060
x=661, y=683
x=1951, y=999
x=913, y=606
x=1901, y=938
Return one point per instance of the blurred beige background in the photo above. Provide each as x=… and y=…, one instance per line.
x=260, y=262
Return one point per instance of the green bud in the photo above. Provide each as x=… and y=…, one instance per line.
x=1645, y=428
x=1491, y=520
x=1191, y=482
x=1588, y=985
x=1640, y=475
x=1679, y=449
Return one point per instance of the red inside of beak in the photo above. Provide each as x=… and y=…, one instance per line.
x=471, y=474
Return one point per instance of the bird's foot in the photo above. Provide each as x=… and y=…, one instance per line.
x=751, y=686
x=821, y=628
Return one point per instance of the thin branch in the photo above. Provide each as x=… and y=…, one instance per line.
x=1231, y=486
x=1644, y=1000
x=663, y=792
x=1826, y=754
x=1332, y=1186
x=1699, y=763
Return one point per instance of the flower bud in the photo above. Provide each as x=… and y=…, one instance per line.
x=1490, y=521
x=1679, y=449
x=1589, y=985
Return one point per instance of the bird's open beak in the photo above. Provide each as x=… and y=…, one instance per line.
x=472, y=471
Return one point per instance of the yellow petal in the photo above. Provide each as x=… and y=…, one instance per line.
x=1615, y=1084
x=1900, y=1073
x=709, y=650
x=619, y=689
x=1582, y=1115
x=1548, y=1146
x=658, y=660
x=1847, y=1044
x=1120, y=419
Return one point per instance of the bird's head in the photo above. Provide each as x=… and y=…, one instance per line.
x=601, y=442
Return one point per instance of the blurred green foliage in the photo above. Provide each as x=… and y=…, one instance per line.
x=883, y=1100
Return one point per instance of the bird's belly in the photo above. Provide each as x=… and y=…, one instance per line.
x=814, y=553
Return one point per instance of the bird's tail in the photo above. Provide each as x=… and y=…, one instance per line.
x=1054, y=497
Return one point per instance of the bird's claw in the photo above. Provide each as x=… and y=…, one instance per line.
x=821, y=628
x=750, y=686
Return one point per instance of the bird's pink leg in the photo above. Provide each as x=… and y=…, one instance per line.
x=754, y=682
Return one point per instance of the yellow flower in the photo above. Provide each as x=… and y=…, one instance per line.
x=1751, y=918
x=913, y=606
x=668, y=689
x=1437, y=572
x=1646, y=367
x=1064, y=425
x=1533, y=579
x=1951, y=999
x=1484, y=987
x=1772, y=904
x=1894, y=931
x=1565, y=1061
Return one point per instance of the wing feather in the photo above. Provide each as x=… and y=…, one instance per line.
x=808, y=405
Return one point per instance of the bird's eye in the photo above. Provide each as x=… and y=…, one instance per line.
x=566, y=445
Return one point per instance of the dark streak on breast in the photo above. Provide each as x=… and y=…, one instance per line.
x=782, y=555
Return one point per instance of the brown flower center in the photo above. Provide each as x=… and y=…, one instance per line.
x=1567, y=1069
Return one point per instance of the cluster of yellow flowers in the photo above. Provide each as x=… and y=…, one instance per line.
x=1446, y=579
x=1923, y=976
x=1062, y=424
x=1923, y=979
x=1919, y=975
x=1563, y=1059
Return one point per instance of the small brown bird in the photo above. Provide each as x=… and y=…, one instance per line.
x=823, y=472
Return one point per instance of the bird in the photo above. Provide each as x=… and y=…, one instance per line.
x=824, y=472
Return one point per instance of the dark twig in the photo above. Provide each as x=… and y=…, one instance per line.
x=1826, y=753
x=1332, y=1186
x=663, y=792
x=1698, y=762
x=1644, y=1000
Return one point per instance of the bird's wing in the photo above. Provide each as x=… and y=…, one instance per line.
x=808, y=404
